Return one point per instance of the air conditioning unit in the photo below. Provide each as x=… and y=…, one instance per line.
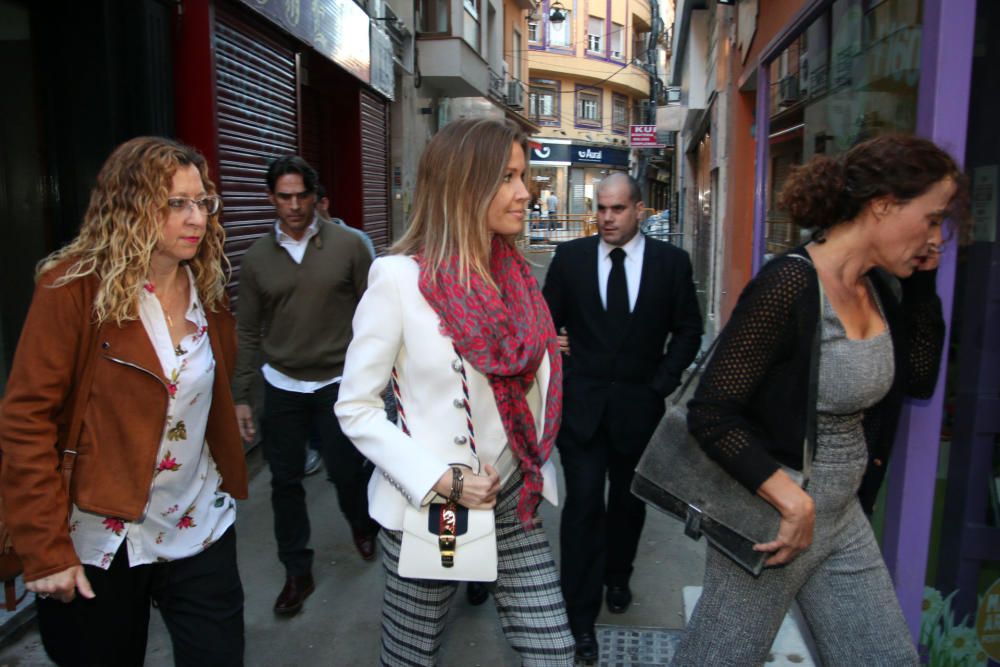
x=788, y=91
x=515, y=94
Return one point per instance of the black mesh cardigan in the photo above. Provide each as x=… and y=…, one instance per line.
x=749, y=410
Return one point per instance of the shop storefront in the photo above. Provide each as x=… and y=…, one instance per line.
x=572, y=172
x=286, y=82
x=851, y=74
x=841, y=72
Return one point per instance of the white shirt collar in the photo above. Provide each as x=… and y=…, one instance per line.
x=311, y=231
x=632, y=249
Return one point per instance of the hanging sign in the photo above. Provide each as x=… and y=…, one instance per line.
x=643, y=136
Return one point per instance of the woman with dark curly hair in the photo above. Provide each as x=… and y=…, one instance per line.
x=878, y=212
x=123, y=367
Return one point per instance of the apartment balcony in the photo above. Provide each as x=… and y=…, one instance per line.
x=452, y=67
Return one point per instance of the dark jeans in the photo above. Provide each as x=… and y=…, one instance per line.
x=598, y=542
x=289, y=418
x=200, y=599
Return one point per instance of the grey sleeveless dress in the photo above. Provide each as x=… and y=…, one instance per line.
x=840, y=582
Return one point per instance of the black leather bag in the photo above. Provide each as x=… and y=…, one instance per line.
x=677, y=477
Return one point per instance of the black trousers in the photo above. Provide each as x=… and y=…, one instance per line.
x=200, y=599
x=597, y=540
x=289, y=418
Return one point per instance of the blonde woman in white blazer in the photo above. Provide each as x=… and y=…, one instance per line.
x=455, y=317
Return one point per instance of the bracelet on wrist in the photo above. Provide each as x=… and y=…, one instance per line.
x=457, y=483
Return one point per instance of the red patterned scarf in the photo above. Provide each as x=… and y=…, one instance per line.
x=505, y=335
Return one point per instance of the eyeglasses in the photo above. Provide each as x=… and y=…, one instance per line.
x=209, y=205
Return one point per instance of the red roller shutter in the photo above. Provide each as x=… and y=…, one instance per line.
x=375, y=168
x=258, y=120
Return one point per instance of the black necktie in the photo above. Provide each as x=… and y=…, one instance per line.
x=617, y=288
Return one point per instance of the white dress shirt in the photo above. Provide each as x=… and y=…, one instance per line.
x=297, y=251
x=187, y=510
x=633, y=267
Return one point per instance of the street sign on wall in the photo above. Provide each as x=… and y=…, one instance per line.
x=643, y=136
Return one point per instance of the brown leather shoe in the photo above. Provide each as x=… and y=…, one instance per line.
x=365, y=544
x=295, y=592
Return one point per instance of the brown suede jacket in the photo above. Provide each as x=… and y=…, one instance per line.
x=123, y=420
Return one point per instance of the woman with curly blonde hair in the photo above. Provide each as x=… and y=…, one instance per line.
x=123, y=369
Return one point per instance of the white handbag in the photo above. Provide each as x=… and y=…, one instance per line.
x=430, y=553
x=444, y=540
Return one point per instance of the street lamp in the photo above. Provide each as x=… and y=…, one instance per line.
x=557, y=13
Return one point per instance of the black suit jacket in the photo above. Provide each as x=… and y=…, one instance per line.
x=628, y=375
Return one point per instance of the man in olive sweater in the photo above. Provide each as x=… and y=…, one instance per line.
x=299, y=286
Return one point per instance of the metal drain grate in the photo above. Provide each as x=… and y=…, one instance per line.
x=631, y=646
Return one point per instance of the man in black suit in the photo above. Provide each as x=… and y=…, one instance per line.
x=617, y=297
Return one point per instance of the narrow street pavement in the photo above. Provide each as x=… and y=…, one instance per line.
x=340, y=623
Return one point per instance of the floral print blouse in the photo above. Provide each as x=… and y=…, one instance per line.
x=186, y=511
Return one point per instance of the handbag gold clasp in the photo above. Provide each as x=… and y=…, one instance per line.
x=446, y=535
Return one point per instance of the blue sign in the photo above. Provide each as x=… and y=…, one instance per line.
x=579, y=154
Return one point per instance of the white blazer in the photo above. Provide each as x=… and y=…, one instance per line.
x=395, y=326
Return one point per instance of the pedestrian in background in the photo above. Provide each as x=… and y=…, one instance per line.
x=878, y=212
x=619, y=296
x=299, y=286
x=534, y=212
x=552, y=208
x=126, y=357
x=455, y=306
x=323, y=212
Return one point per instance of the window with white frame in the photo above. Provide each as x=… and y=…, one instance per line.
x=533, y=35
x=595, y=35
x=588, y=106
x=543, y=101
x=470, y=23
x=561, y=34
x=617, y=41
x=619, y=113
x=640, y=46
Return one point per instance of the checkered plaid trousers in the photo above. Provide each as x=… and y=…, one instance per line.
x=527, y=593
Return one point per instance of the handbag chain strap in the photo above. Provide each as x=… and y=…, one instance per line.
x=448, y=518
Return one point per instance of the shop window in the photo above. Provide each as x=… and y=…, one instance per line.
x=533, y=34
x=470, y=23
x=595, y=35
x=619, y=113
x=561, y=34
x=617, y=41
x=543, y=102
x=433, y=17
x=588, y=107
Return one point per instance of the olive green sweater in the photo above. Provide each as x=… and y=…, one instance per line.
x=298, y=315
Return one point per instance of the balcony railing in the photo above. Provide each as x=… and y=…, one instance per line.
x=498, y=86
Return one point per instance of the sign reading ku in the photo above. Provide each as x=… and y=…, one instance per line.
x=579, y=154
x=643, y=136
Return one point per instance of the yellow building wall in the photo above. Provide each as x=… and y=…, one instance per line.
x=567, y=115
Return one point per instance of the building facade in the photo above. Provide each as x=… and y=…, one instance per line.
x=586, y=87
x=780, y=81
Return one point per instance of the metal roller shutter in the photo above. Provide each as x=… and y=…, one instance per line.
x=258, y=120
x=375, y=168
